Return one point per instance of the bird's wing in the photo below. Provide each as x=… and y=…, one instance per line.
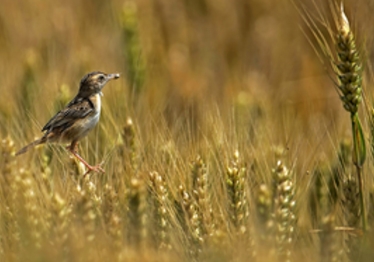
x=76, y=109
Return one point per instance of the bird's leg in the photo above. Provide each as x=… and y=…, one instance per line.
x=96, y=168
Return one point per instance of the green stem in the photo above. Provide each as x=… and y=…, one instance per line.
x=362, y=199
x=359, y=154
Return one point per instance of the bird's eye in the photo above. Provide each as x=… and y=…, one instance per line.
x=101, y=78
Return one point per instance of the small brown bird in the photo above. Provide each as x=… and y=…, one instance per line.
x=75, y=121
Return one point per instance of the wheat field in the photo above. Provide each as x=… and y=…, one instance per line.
x=225, y=139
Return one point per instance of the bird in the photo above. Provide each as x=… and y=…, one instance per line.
x=79, y=116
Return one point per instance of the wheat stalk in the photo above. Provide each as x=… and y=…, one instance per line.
x=236, y=188
x=160, y=198
x=193, y=226
x=284, y=206
x=344, y=59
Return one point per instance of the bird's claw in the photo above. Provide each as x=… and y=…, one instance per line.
x=97, y=168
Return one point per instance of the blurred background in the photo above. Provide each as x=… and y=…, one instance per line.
x=198, y=78
x=180, y=59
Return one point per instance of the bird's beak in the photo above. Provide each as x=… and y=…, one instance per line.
x=112, y=76
x=108, y=78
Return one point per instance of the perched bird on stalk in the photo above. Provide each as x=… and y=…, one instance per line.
x=81, y=115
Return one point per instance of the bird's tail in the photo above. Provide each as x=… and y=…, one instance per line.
x=35, y=143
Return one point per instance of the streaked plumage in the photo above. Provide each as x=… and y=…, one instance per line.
x=79, y=117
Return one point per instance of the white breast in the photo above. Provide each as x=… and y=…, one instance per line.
x=94, y=119
x=98, y=103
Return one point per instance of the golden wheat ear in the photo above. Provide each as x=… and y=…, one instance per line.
x=35, y=143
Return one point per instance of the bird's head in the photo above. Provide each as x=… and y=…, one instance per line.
x=94, y=82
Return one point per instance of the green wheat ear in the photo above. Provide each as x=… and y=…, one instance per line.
x=135, y=61
x=339, y=49
x=29, y=85
x=348, y=69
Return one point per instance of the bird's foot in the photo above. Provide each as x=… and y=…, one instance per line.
x=97, y=168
